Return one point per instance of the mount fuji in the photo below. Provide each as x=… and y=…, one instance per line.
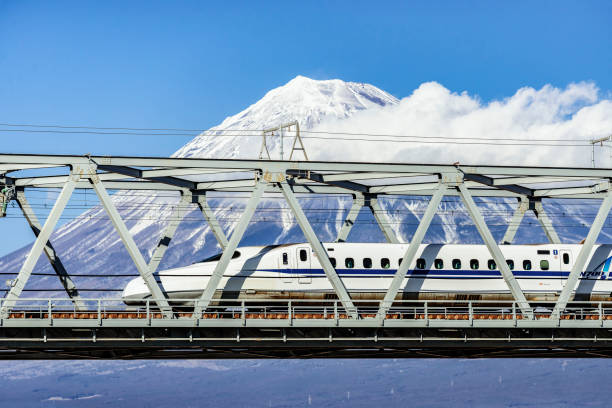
x=88, y=244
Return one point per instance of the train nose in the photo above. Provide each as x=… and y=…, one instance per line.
x=136, y=290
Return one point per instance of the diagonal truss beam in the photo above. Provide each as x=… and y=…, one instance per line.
x=583, y=255
x=143, y=269
x=381, y=219
x=494, y=250
x=199, y=197
x=50, y=252
x=228, y=251
x=177, y=215
x=545, y=222
x=412, y=249
x=534, y=205
x=319, y=251
x=516, y=220
x=351, y=217
x=37, y=248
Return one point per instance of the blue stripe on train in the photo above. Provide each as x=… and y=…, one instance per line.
x=424, y=272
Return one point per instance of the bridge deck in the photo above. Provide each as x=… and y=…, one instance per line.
x=293, y=330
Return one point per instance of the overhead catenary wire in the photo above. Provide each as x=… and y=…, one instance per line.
x=310, y=134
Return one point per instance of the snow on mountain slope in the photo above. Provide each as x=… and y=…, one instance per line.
x=89, y=244
x=302, y=99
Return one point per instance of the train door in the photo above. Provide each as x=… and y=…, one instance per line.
x=287, y=266
x=303, y=265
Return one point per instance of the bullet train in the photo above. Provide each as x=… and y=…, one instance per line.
x=438, y=272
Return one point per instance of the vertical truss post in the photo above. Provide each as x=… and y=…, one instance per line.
x=228, y=251
x=50, y=252
x=144, y=271
x=319, y=251
x=412, y=249
x=175, y=219
x=515, y=222
x=39, y=245
x=349, y=221
x=496, y=253
x=199, y=198
x=583, y=255
x=383, y=222
x=545, y=222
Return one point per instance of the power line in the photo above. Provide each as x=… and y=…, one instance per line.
x=368, y=137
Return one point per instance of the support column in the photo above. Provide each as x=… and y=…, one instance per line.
x=50, y=252
x=496, y=253
x=200, y=199
x=412, y=249
x=583, y=255
x=383, y=222
x=228, y=252
x=349, y=221
x=175, y=219
x=515, y=222
x=144, y=271
x=38, y=246
x=319, y=251
x=545, y=222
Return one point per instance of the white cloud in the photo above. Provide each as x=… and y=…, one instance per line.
x=575, y=112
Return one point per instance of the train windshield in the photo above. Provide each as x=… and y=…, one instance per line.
x=215, y=258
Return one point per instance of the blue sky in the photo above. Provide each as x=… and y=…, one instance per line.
x=190, y=64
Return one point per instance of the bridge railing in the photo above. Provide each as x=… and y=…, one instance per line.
x=278, y=309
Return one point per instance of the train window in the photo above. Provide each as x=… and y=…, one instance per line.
x=285, y=258
x=474, y=264
x=566, y=258
x=367, y=263
x=438, y=263
x=544, y=265
x=456, y=263
x=527, y=265
x=303, y=255
x=217, y=257
x=349, y=262
x=510, y=263
x=385, y=263
x=491, y=264
x=420, y=263
x=333, y=261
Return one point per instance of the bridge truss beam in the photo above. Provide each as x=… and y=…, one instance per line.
x=199, y=197
x=50, y=252
x=583, y=255
x=494, y=250
x=412, y=249
x=372, y=180
x=351, y=217
x=228, y=251
x=128, y=241
x=530, y=204
x=319, y=250
x=40, y=243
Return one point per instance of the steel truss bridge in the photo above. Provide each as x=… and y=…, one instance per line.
x=76, y=327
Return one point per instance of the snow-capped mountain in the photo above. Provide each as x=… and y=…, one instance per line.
x=302, y=99
x=89, y=243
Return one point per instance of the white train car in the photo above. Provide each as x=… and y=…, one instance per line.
x=438, y=272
